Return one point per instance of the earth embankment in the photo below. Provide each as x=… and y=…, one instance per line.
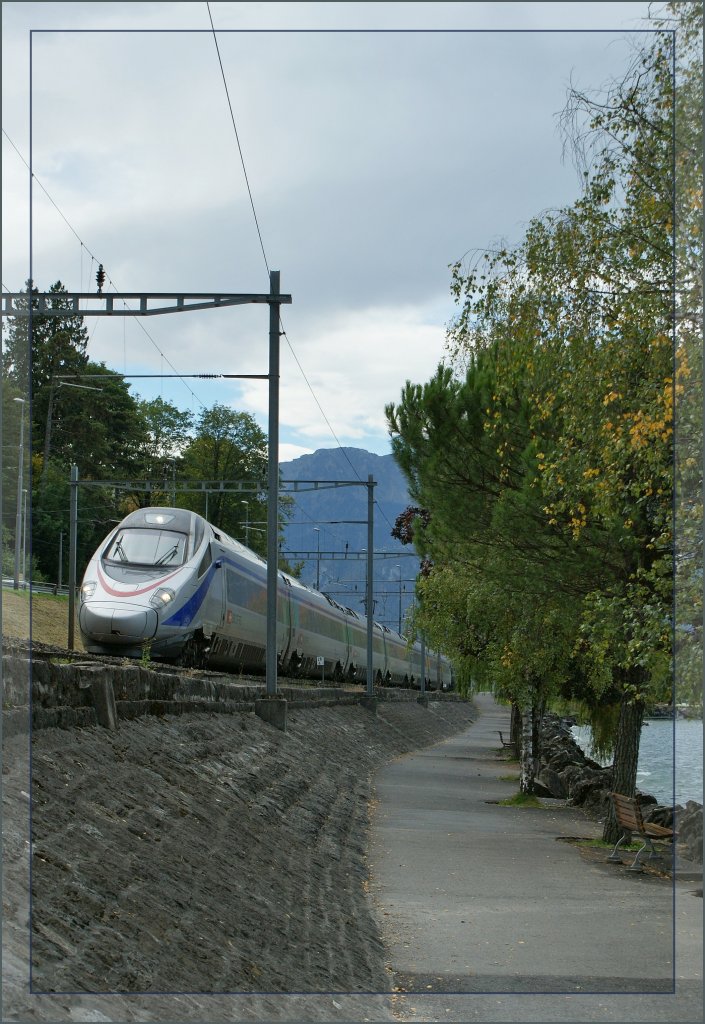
x=205, y=854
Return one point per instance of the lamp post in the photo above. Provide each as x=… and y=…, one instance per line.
x=318, y=557
x=18, y=520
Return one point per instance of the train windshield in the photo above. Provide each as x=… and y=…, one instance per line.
x=153, y=548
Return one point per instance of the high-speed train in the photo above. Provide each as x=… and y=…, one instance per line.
x=168, y=581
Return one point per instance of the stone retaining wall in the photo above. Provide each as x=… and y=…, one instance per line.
x=69, y=692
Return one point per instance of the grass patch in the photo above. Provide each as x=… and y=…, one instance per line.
x=521, y=800
x=600, y=844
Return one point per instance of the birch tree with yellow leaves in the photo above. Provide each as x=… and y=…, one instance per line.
x=591, y=325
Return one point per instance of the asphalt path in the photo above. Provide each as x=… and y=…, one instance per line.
x=493, y=913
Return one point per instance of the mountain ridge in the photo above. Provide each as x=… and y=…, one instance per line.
x=327, y=519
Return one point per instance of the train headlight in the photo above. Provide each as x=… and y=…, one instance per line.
x=162, y=597
x=88, y=590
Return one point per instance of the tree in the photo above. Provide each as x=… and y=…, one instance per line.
x=575, y=326
x=96, y=424
x=499, y=585
x=165, y=434
x=229, y=446
x=57, y=347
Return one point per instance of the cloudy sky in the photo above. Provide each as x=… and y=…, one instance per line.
x=375, y=159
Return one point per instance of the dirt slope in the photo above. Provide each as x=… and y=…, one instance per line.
x=49, y=616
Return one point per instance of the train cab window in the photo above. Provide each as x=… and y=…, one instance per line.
x=147, y=547
x=205, y=561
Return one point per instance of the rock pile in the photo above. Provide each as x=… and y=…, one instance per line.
x=567, y=773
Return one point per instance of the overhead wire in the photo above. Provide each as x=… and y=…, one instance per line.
x=95, y=259
x=266, y=262
x=237, y=137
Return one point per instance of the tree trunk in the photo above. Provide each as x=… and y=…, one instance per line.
x=529, y=760
x=626, y=757
x=515, y=726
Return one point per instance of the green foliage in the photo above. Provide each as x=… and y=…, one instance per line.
x=84, y=414
x=542, y=454
x=229, y=446
x=8, y=552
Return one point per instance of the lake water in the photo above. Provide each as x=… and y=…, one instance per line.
x=659, y=772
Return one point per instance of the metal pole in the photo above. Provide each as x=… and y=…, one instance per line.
x=18, y=518
x=72, y=553
x=423, y=664
x=399, y=568
x=61, y=558
x=318, y=557
x=247, y=522
x=273, y=485
x=25, y=499
x=370, y=570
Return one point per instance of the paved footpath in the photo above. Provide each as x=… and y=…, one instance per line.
x=488, y=914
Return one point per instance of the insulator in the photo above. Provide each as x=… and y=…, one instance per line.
x=100, y=278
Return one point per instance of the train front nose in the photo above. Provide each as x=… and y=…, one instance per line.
x=115, y=625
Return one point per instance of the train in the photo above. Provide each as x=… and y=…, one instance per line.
x=168, y=582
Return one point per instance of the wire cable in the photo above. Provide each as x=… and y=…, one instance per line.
x=95, y=259
x=261, y=243
x=237, y=137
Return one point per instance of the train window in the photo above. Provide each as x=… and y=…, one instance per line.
x=147, y=547
x=205, y=561
x=246, y=593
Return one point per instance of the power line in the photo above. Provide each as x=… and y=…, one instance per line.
x=259, y=233
x=237, y=137
x=95, y=258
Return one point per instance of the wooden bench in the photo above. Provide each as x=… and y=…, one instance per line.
x=630, y=820
x=506, y=743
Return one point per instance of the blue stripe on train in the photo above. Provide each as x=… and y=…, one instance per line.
x=187, y=612
x=185, y=615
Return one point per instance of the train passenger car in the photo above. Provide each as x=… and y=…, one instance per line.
x=167, y=581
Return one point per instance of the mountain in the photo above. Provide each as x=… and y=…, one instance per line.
x=329, y=509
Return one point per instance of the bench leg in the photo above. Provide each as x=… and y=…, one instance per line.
x=615, y=857
x=636, y=864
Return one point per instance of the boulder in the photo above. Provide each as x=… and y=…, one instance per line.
x=552, y=782
x=597, y=801
x=689, y=826
x=659, y=814
x=560, y=760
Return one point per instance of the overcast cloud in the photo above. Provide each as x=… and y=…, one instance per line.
x=375, y=159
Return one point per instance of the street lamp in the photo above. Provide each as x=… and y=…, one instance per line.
x=318, y=557
x=18, y=520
